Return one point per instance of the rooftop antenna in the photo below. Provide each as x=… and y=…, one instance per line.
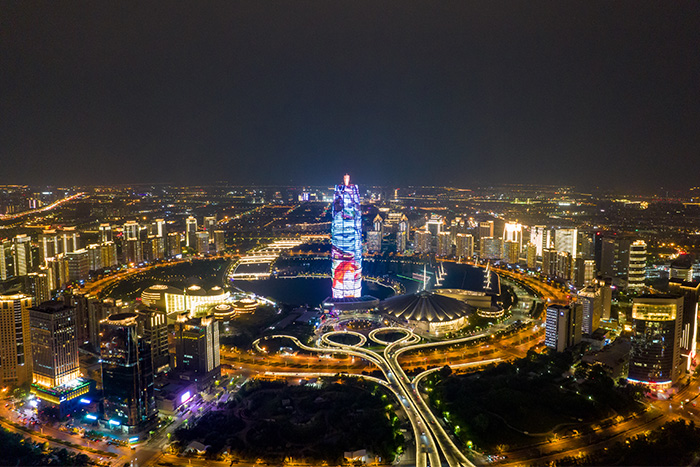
x=346, y=179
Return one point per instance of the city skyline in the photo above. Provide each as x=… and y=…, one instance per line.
x=399, y=94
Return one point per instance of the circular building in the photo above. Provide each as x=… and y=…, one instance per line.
x=223, y=311
x=245, y=305
x=163, y=297
x=428, y=313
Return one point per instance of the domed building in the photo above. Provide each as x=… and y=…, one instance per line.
x=173, y=300
x=428, y=313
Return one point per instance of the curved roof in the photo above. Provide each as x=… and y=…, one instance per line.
x=425, y=306
x=162, y=289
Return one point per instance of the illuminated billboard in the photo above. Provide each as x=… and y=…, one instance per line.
x=346, y=238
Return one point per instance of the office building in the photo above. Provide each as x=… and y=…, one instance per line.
x=94, y=251
x=15, y=344
x=105, y=231
x=435, y=225
x=156, y=334
x=49, y=244
x=210, y=226
x=549, y=262
x=690, y=291
x=160, y=228
x=531, y=255
x=54, y=344
x=655, y=358
x=637, y=265
x=219, y=241
x=97, y=311
x=682, y=268
x=513, y=232
x=109, y=254
x=563, y=326
x=174, y=244
x=197, y=349
x=489, y=248
x=346, y=240
x=78, y=265
x=486, y=229
x=511, y=251
x=566, y=241
x=131, y=230
x=191, y=232
x=591, y=308
x=70, y=238
x=374, y=241
x=465, y=246
x=23, y=263
x=6, y=267
x=422, y=242
x=540, y=236
x=127, y=374
x=202, y=244
x=37, y=286
x=444, y=244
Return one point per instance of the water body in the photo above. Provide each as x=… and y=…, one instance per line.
x=304, y=290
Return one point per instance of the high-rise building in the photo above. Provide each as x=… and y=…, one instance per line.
x=566, y=241
x=540, y=236
x=592, y=308
x=565, y=266
x=465, y=246
x=563, y=326
x=174, y=244
x=78, y=265
x=191, y=232
x=97, y=311
x=689, y=328
x=637, y=265
x=54, y=344
x=511, y=251
x=57, y=271
x=435, y=225
x=219, y=241
x=127, y=373
x=15, y=341
x=156, y=334
x=131, y=230
x=513, y=232
x=346, y=239
x=549, y=262
x=655, y=357
x=444, y=244
x=23, y=255
x=682, y=268
x=37, y=286
x=531, y=255
x=94, y=251
x=210, y=226
x=489, y=248
x=5, y=259
x=374, y=241
x=70, y=238
x=422, y=241
x=202, y=244
x=109, y=254
x=105, y=233
x=485, y=229
x=197, y=348
x=160, y=228
x=49, y=245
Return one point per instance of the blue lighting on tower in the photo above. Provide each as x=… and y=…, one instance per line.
x=346, y=237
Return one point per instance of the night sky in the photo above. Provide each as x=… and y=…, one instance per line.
x=462, y=93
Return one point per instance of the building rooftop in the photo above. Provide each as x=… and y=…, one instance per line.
x=426, y=306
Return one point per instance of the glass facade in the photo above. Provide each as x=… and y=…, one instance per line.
x=346, y=237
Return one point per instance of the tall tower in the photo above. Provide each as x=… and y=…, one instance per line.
x=346, y=237
x=54, y=344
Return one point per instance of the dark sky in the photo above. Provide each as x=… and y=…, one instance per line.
x=433, y=92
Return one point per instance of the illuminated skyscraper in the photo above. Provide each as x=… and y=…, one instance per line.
x=637, y=265
x=655, y=358
x=15, y=347
x=127, y=373
x=346, y=237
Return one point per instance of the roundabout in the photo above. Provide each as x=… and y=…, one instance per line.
x=407, y=335
x=327, y=339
